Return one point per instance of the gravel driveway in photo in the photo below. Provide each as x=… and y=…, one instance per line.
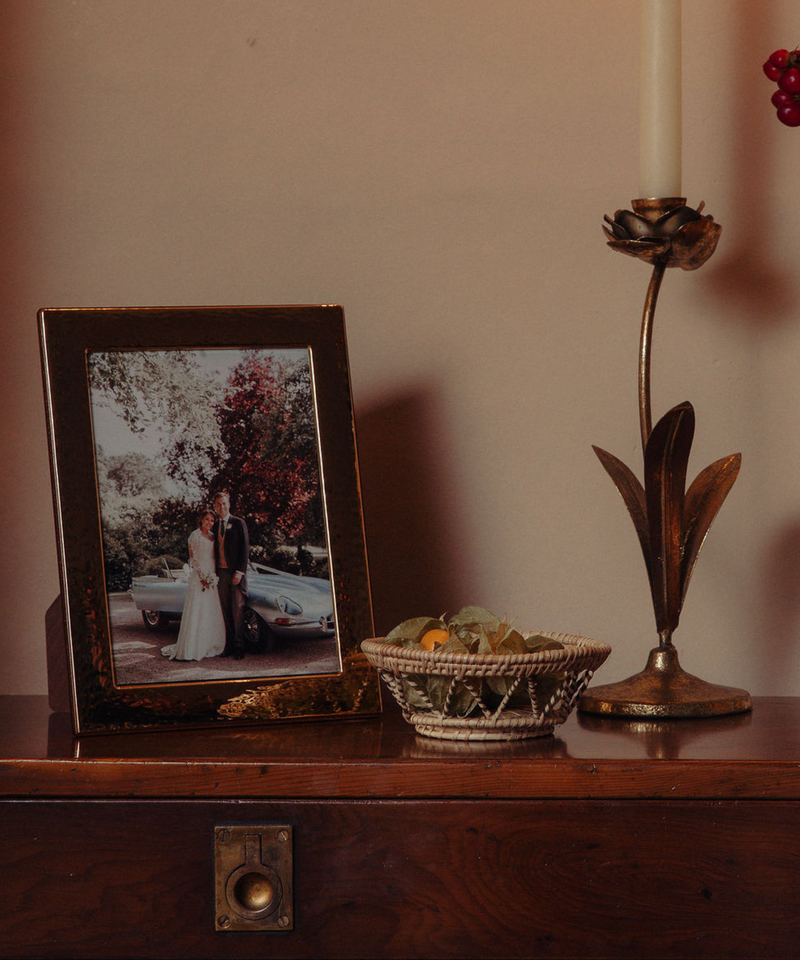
x=138, y=658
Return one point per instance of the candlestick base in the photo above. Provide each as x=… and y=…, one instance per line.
x=664, y=689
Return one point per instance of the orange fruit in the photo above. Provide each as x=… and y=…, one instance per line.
x=433, y=637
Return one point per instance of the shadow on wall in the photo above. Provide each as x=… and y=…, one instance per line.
x=749, y=278
x=57, y=658
x=15, y=243
x=756, y=287
x=779, y=592
x=418, y=559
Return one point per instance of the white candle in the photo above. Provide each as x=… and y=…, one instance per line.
x=660, y=99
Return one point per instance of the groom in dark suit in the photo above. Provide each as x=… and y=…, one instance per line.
x=231, y=554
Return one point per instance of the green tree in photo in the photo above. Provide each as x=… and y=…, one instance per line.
x=269, y=453
x=252, y=433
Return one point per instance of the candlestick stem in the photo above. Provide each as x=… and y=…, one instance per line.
x=645, y=344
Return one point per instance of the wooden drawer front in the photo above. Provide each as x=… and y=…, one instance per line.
x=112, y=879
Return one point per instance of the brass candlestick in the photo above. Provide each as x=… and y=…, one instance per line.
x=671, y=522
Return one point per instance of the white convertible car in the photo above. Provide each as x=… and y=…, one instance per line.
x=279, y=606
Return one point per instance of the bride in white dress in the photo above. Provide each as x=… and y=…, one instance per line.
x=202, y=632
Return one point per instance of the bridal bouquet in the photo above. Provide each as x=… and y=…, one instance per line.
x=208, y=580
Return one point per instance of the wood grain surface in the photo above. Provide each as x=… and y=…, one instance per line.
x=612, y=839
x=753, y=756
x=634, y=879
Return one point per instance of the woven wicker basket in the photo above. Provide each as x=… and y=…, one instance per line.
x=404, y=670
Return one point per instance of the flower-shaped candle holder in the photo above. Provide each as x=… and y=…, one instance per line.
x=664, y=232
x=671, y=522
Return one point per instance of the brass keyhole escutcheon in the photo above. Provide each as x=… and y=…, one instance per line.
x=253, y=878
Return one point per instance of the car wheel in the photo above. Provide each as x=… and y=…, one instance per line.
x=257, y=635
x=155, y=620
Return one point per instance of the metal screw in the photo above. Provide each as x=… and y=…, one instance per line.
x=283, y=921
x=223, y=835
x=283, y=835
x=224, y=921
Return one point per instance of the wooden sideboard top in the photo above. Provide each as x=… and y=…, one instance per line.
x=749, y=756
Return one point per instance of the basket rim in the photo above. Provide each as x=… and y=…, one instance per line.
x=574, y=647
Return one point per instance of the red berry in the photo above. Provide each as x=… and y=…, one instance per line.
x=780, y=97
x=780, y=59
x=790, y=80
x=789, y=113
x=772, y=72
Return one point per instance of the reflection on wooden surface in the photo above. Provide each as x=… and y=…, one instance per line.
x=543, y=748
x=752, y=755
x=28, y=730
x=664, y=739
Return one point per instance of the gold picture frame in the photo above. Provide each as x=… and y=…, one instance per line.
x=149, y=411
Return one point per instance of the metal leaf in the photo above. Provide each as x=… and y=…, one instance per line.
x=703, y=500
x=666, y=457
x=632, y=493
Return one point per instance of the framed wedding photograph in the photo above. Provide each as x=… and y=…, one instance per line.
x=208, y=515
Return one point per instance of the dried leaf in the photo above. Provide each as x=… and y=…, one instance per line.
x=413, y=685
x=470, y=640
x=469, y=620
x=461, y=701
x=485, y=640
x=535, y=642
x=411, y=631
x=665, y=460
x=475, y=615
x=496, y=688
x=453, y=644
x=703, y=500
x=512, y=642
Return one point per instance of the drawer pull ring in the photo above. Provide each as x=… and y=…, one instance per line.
x=254, y=892
x=253, y=878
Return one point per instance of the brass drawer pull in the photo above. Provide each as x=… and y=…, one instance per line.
x=253, y=878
